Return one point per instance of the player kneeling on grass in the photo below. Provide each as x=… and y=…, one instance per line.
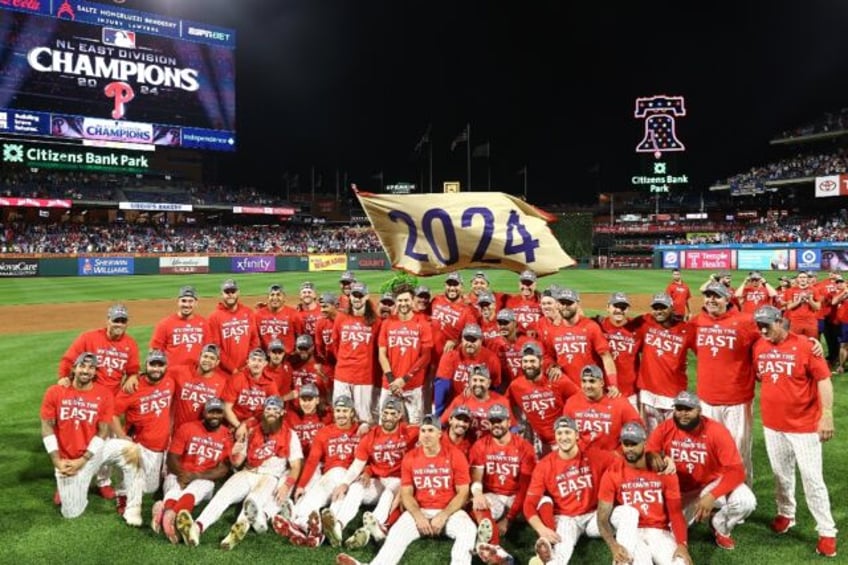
x=74, y=424
x=434, y=488
x=268, y=451
x=199, y=455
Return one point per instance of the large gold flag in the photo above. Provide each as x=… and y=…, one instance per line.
x=429, y=234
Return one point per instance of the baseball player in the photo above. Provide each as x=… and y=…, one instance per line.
x=478, y=400
x=308, y=307
x=422, y=301
x=796, y=401
x=246, y=391
x=308, y=369
x=198, y=456
x=509, y=346
x=802, y=305
x=306, y=415
x=75, y=422
x=754, y=292
x=405, y=345
x=452, y=375
x=232, y=327
x=449, y=314
x=680, y=294
x=182, y=334
x=324, y=351
x=657, y=499
x=486, y=304
x=456, y=434
x=386, y=307
x=480, y=286
x=709, y=468
x=434, y=488
x=345, y=281
x=276, y=321
x=622, y=334
x=196, y=385
x=525, y=304
x=279, y=370
x=272, y=458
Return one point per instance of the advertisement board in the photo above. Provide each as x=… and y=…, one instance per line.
x=708, y=259
x=105, y=266
x=763, y=259
x=327, y=262
x=18, y=267
x=183, y=265
x=253, y=264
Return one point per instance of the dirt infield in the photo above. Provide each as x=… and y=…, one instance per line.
x=88, y=315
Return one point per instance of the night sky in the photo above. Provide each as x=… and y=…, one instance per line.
x=352, y=85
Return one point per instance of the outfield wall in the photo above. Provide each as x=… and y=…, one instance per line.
x=822, y=255
x=98, y=265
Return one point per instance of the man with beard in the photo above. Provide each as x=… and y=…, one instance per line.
x=709, y=468
x=345, y=282
x=405, y=345
x=197, y=385
x=181, y=334
x=198, y=456
x=276, y=321
x=478, y=399
x=271, y=456
x=450, y=314
x=509, y=345
x=386, y=309
x=422, y=301
x=538, y=401
x=525, y=304
x=624, y=341
x=452, y=376
x=657, y=498
x=381, y=450
x=245, y=394
x=456, y=435
x=232, y=327
x=75, y=422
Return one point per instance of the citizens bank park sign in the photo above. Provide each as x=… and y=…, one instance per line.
x=63, y=157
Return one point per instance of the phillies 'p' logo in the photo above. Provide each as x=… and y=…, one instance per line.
x=122, y=93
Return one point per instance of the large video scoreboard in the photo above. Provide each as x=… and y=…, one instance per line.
x=101, y=74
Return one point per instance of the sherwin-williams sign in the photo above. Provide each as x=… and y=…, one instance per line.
x=102, y=266
x=254, y=264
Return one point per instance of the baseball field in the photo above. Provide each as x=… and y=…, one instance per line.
x=42, y=316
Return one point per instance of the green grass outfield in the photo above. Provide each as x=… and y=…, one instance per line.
x=33, y=531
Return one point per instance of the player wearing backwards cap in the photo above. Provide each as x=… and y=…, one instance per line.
x=478, y=398
x=802, y=305
x=373, y=478
x=655, y=496
x=75, y=422
x=723, y=341
x=275, y=320
x=333, y=448
x=271, y=456
x=181, y=334
x=434, y=488
x=195, y=385
x=345, y=282
x=452, y=375
x=537, y=400
x=405, y=345
x=355, y=336
x=198, y=456
x=280, y=370
x=666, y=339
x=624, y=340
x=754, y=292
x=324, y=351
x=525, y=304
x=147, y=419
x=449, y=314
x=245, y=394
x=796, y=401
x=562, y=498
x=680, y=294
x=501, y=465
x=599, y=418
x=308, y=307
x=709, y=468
x=232, y=327
x=306, y=415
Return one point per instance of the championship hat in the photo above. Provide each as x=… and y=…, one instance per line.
x=718, y=289
x=461, y=411
x=329, y=298
x=86, y=357
x=472, y=330
x=687, y=399
x=343, y=401
x=453, y=277
x=259, y=353
x=274, y=402
x=117, y=312
x=308, y=390
x=662, y=299
x=497, y=412
x=592, y=371
x=276, y=345
x=211, y=348
x=213, y=403
x=347, y=277
x=392, y=403
x=532, y=348
x=387, y=298
x=485, y=297
x=304, y=341
x=307, y=285
x=480, y=275
x=422, y=290
x=505, y=315
x=358, y=288
x=431, y=420
x=633, y=432
x=528, y=276
x=618, y=298
x=157, y=356
x=565, y=422
x=229, y=284
x=568, y=294
x=767, y=315
x=187, y=290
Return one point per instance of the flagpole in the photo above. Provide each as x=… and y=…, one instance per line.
x=430, y=158
x=468, y=152
x=525, y=183
x=612, y=209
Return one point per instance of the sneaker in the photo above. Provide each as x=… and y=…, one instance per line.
x=494, y=554
x=332, y=527
x=169, y=526
x=57, y=500
x=237, y=533
x=826, y=546
x=484, y=531
x=255, y=518
x=121, y=504
x=345, y=559
x=781, y=524
x=359, y=539
x=188, y=529
x=543, y=550
x=132, y=516
x=156, y=516
x=370, y=523
x=107, y=492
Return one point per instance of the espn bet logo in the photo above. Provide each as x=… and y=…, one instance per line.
x=13, y=153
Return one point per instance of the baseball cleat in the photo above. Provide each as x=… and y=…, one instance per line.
x=781, y=524
x=169, y=526
x=494, y=554
x=287, y=509
x=298, y=538
x=188, y=529
x=345, y=559
x=156, y=516
x=313, y=524
x=255, y=518
x=484, y=531
x=106, y=491
x=57, y=500
x=359, y=539
x=281, y=526
x=237, y=533
x=132, y=516
x=121, y=504
x=331, y=527
x=826, y=546
x=370, y=523
x=544, y=551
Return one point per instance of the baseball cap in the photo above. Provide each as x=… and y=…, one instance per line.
x=662, y=299
x=117, y=312
x=358, y=287
x=497, y=412
x=569, y=294
x=211, y=348
x=633, y=432
x=213, y=403
x=274, y=402
x=392, y=403
x=755, y=275
x=838, y=278
x=527, y=275
x=343, y=401
x=592, y=371
x=187, y=290
x=687, y=399
x=309, y=390
x=422, y=290
x=480, y=275
x=304, y=340
x=722, y=274
x=387, y=297
x=86, y=357
x=565, y=422
x=461, y=411
x=618, y=298
x=505, y=315
x=275, y=288
x=718, y=289
x=258, y=352
x=276, y=345
x=454, y=277
x=347, y=276
x=431, y=420
x=156, y=356
x=532, y=348
x=229, y=284
x=485, y=298
x=767, y=315
x=307, y=285
x=472, y=330
x=481, y=370
x=329, y=298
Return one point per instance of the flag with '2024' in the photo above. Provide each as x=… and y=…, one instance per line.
x=425, y=234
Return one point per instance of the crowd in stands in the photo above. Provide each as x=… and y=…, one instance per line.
x=830, y=122
x=797, y=166
x=131, y=238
